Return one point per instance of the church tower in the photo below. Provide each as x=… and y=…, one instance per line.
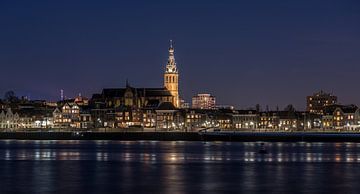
x=171, y=77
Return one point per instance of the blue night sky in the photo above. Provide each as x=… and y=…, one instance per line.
x=243, y=52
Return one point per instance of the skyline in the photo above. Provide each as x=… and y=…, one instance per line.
x=243, y=54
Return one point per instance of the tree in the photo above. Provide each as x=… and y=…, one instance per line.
x=257, y=107
x=10, y=96
x=289, y=108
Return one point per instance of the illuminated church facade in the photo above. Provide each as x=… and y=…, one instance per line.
x=142, y=97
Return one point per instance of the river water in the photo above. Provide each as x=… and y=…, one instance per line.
x=177, y=167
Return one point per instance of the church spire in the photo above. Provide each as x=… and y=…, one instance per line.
x=171, y=77
x=171, y=64
x=171, y=44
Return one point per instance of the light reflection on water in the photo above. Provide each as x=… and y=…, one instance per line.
x=179, y=152
x=177, y=167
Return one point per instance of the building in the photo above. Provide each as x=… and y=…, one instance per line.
x=149, y=114
x=222, y=118
x=269, y=120
x=168, y=117
x=139, y=97
x=203, y=101
x=25, y=118
x=346, y=117
x=127, y=116
x=8, y=119
x=327, y=118
x=196, y=119
x=184, y=105
x=289, y=120
x=72, y=115
x=318, y=101
x=81, y=101
x=130, y=96
x=341, y=117
x=67, y=116
x=171, y=77
x=130, y=106
x=245, y=119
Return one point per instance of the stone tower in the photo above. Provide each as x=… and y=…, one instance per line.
x=171, y=77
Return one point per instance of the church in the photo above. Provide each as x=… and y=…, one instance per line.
x=141, y=97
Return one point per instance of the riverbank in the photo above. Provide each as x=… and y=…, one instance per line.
x=186, y=136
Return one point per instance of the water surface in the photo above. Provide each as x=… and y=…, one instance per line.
x=177, y=167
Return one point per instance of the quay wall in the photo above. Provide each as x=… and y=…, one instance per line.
x=186, y=136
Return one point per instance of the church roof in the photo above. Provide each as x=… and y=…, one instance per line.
x=152, y=104
x=113, y=92
x=153, y=92
x=166, y=106
x=148, y=92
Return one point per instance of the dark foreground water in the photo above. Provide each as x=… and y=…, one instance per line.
x=177, y=167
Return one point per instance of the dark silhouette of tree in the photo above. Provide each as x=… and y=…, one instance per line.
x=10, y=96
x=289, y=108
x=257, y=107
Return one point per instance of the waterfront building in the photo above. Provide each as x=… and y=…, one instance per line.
x=317, y=102
x=72, y=115
x=8, y=119
x=196, y=119
x=100, y=113
x=127, y=116
x=347, y=117
x=67, y=116
x=35, y=118
x=269, y=120
x=203, y=101
x=26, y=116
x=289, y=120
x=168, y=117
x=245, y=119
x=223, y=118
x=309, y=121
x=327, y=121
x=341, y=117
x=24, y=119
x=149, y=114
x=85, y=120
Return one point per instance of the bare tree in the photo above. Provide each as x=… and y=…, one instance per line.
x=10, y=96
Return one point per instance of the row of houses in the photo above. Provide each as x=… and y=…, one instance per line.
x=166, y=116
x=81, y=113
